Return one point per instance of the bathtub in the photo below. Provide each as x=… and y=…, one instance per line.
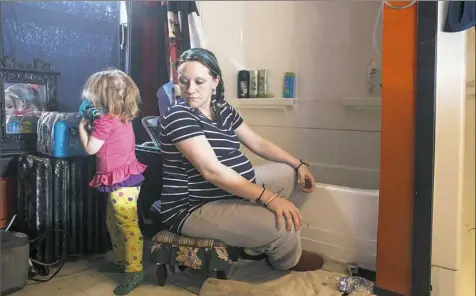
x=341, y=223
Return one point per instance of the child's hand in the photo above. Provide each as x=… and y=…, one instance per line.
x=84, y=122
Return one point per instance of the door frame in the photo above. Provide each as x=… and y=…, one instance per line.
x=404, y=250
x=424, y=147
x=408, y=150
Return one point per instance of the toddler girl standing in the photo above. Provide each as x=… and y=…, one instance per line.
x=119, y=173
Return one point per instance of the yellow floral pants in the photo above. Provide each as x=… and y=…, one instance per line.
x=123, y=227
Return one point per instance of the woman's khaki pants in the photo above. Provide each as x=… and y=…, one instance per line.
x=241, y=223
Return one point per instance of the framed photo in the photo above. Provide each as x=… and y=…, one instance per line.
x=26, y=90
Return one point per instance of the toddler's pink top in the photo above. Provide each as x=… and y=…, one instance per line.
x=116, y=160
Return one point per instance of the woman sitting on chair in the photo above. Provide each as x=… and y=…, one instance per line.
x=211, y=190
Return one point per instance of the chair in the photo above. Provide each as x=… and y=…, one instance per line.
x=166, y=96
x=152, y=127
x=170, y=249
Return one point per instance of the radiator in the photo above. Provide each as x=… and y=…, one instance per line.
x=57, y=208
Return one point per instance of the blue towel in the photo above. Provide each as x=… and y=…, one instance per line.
x=461, y=16
x=165, y=97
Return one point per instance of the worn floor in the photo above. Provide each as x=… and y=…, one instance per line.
x=82, y=279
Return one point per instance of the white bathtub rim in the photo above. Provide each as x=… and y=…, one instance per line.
x=345, y=188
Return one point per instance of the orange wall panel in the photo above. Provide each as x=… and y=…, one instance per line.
x=394, y=247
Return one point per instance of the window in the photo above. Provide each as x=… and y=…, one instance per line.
x=77, y=37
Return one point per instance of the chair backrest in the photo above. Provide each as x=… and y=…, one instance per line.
x=152, y=127
x=165, y=97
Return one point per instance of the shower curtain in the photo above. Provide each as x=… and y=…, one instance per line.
x=177, y=35
x=160, y=32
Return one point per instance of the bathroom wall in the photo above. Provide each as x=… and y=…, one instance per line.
x=329, y=46
x=468, y=270
x=453, y=246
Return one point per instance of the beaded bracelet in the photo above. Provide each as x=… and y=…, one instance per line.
x=258, y=200
x=302, y=162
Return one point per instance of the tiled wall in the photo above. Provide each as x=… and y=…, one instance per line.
x=329, y=46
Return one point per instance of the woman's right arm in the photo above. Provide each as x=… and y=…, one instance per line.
x=199, y=152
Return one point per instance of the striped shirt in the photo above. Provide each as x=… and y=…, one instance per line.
x=184, y=189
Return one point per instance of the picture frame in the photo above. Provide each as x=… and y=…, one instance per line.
x=26, y=90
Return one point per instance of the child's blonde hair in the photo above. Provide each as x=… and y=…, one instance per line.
x=115, y=91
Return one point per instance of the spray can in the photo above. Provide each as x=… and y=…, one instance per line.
x=243, y=84
x=89, y=111
x=373, y=79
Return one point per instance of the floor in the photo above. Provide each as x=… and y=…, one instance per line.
x=81, y=278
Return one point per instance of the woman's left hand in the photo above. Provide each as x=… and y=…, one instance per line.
x=305, y=178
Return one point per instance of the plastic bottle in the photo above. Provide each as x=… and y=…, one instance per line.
x=13, y=125
x=373, y=79
x=289, y=85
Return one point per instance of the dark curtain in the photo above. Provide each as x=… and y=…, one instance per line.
x=148, y=64
x=177, y=37
x=156, y=41
x=77, y=37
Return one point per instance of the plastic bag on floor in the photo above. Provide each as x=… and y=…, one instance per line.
x=355, y=286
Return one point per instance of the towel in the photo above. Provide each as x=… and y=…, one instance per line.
x=165, y=97
x=461, y=16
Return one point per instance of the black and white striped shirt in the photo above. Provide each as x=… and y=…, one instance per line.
x=184, y=189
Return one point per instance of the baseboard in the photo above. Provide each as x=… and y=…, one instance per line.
x=383, y=292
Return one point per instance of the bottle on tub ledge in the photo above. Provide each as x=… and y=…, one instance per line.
x=254, y=80
x=243, y=84
x=263, y=83
x=289, y=85
x=253, y=84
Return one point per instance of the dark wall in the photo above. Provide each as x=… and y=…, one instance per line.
x=147, y=57
x=7, y=167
